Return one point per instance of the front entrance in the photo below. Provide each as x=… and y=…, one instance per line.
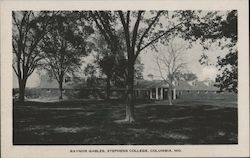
x=165, y=93
x=160, y=93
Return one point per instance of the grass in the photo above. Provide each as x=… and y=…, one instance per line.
x=94, y=122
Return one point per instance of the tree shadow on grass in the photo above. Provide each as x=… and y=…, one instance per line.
x=92, y=122
x=195, y=124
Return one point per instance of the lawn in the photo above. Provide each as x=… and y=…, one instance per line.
x=95, y=122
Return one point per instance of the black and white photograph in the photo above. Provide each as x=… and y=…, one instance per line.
x=125, y=77
x=94, y=78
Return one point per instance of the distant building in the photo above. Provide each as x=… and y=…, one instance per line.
x=69, y=82
x=148, y=89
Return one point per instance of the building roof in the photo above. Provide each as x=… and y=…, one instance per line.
x=201, y=85
x=146, y=84
x=181, y=85
x=76, y=83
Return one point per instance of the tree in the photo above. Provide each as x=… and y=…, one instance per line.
x=228, y=79
x=189, y=76
x=228, y=65
x=64, y=46
x=90, y=72
x=107, y=65
x=141, y=29
x=106, y=61
x=113, y=66
x=170, y=64
x=28, y=29
x=214, y=29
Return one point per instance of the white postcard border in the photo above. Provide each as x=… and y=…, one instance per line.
x=8, y=150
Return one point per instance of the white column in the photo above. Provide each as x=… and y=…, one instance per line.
x=150, y=93
x=174, y=94
x=156, y=94
x=162, y=93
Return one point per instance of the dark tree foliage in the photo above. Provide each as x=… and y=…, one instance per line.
x=90, y=72
x=228, y=65
x=113, y=65
x=108, y=65
x=188, y=76
x=105, y=60
x=229, y=27
x=64, y=45
x=120, y=72
x=228, y=80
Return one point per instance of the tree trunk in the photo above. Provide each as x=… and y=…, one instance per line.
x=130, y=95
x=60, y=89
x=108, y=88
x=22, y=86
x=170, y=95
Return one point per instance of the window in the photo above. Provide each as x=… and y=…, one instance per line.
x=153, y=93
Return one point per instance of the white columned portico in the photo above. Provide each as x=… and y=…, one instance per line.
x=156, y=94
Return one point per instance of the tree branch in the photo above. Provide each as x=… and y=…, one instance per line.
x=147, y=30
x=100, y=27
x=126, y=30
x=157, y=38
x=135, y=30
x=15, y=70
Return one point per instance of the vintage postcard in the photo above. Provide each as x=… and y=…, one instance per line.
x=124, y=78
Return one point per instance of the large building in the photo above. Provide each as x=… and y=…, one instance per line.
x=148, y=89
